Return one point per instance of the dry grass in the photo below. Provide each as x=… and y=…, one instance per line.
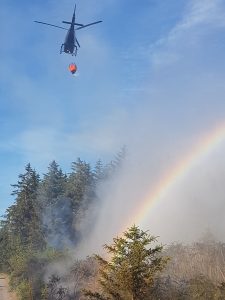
x=202, y=258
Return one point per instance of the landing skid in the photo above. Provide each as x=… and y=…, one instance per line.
x=74, y=53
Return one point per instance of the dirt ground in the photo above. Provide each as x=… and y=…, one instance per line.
x=5, y=294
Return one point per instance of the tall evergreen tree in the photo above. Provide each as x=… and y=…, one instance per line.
x=134, y=264
x=23, y=217
x=53, y=184
x=80, y=183
x=99, y=171
x=81, y=190
x=57, y=212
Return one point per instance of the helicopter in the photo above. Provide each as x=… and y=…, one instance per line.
x=71, y=44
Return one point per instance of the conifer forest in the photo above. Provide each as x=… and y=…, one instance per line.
x=41, y=231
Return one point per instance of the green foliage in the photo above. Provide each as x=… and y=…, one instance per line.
x=53, y=184
x=99, y=172
x=22, y=217
x=80, y=180
x=5, y=247
x=28, y=266
x=24, y=290
x=81, y=189
x=55, y=209
x=44, y=220
x=133, y=266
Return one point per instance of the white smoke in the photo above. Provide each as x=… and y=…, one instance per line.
x=182, y=100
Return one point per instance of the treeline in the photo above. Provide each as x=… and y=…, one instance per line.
x=50, y=215
x=45, y=220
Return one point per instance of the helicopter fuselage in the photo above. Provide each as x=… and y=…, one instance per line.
x=69, y=43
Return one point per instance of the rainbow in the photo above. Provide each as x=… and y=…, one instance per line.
x=202, y=149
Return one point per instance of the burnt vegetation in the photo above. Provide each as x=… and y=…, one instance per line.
x=40, y=232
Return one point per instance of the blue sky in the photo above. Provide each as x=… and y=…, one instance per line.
x=151, y=77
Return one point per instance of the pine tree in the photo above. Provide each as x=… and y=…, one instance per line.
x=53, y=184
x=80, y=183
x=81, y=190
x=134, y=264
x=23, y=217
x=57, y=215
x=116, y=163
x=99, y=171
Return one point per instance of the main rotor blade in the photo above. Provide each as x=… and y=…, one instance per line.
x=72, y=23
x=88, y=25
x=51, y=25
